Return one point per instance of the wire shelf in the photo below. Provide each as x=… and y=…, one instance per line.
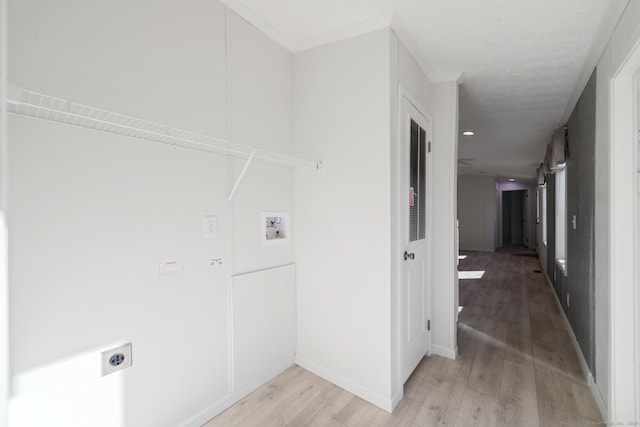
x=44, y=107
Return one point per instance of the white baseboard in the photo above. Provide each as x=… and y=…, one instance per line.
x=588, y=376
x=383, y=402
x=397, y=397
x=233, y=397
x=451, y=353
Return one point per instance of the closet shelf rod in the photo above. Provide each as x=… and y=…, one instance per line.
x=44, y=107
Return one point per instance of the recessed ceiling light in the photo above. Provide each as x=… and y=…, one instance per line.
x=511, y=179
x=468, y=133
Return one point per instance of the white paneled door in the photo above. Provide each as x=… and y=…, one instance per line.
x=416, y=221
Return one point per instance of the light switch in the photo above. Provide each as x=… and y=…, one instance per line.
x=210, y=226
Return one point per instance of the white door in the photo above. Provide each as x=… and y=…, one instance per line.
x=416, y=226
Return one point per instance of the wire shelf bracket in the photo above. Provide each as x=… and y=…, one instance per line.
x=44, y=107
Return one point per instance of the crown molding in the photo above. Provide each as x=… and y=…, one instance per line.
x=435, y=74
x=257, y=21
x=350, y=31
x=389, y=20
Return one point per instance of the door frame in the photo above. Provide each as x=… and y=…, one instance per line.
x=399, y=229
x=624, y=222
x=4, y=251
x=4, y=255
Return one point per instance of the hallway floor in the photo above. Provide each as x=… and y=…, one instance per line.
x=516, y=367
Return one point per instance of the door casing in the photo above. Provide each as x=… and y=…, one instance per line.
x=408, y=109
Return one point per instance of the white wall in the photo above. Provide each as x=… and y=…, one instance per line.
x=616, y=250
x=346, y=100
x=261, y=115
x=477, y=212
x=343, y=214
x=445, y=254
x=92, y=214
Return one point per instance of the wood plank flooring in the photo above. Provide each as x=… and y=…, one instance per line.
x=516, y=367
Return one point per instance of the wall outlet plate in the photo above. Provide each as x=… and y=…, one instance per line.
x=210, y=226
x=116, y=359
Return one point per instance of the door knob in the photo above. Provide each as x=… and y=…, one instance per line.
x=408, y=255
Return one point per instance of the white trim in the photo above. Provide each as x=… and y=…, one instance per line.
x=454, y=302
x=404, y=118
x=5, y=375
x=451, y=353
x=350, y=31
x=397, y=397
x=232, y=398
x=637, y=234
x=588, y=376
x=365, y=393
x=624, y=375
x=254, y=19
x=388, y=20
x=433, y=74
x=404, y=93
x=294, y=46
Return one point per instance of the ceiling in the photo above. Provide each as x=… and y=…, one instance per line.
x=524, y=62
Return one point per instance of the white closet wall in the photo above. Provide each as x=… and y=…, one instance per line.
x=92, y=215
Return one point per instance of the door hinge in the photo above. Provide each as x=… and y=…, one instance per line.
x=429, y=146
x=428, y=325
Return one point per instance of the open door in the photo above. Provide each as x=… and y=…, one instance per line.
x=416, y=226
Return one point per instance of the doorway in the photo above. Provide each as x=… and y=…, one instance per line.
x=514, y=218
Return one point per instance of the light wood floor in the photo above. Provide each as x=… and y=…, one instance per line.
x=516, y=367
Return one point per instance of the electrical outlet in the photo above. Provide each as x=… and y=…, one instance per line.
x=116, y=359
x=216, y=261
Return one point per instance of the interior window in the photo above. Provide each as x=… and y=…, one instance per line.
x=543, y=191
x=417, y=183
x=561, y=218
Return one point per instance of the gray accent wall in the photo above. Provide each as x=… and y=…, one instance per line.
x=576, y=289
x=581, y=204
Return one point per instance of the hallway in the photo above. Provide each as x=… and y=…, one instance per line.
x=516, y=367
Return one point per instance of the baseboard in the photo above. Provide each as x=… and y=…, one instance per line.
x=383, y=402
x=597, y=396
x=397, y=397
x=588, y=376
x=451, y=353
x=230, y=399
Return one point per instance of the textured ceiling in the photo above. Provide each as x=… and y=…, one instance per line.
x=523, y=61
